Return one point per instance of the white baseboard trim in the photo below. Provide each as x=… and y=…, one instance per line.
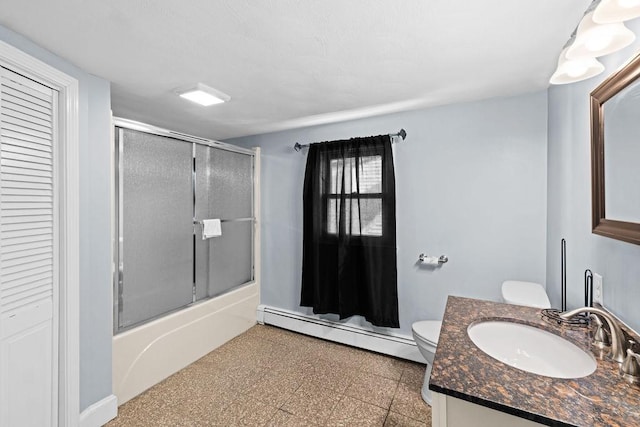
x=393, y=345
x=100, y=412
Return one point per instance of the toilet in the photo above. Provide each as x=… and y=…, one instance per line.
x=525, y=293
x=426, y=332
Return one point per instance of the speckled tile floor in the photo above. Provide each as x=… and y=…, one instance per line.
x=273, y=377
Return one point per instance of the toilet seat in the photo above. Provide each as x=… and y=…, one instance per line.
x=525, y=293
x=428, y=330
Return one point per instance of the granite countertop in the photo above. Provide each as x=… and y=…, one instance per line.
x=462, y=370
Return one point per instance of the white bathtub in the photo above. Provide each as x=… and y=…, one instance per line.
x=144, y=356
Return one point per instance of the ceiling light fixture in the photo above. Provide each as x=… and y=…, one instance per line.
x=610, y=11
x=594, y=40
x=203, y=95
x=575, y=70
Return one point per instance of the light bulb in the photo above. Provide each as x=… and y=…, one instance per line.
x=613, y=11
x=570, y=71
x=593, y=39
x=598, y=41
x=628, y=3
x=575, y=68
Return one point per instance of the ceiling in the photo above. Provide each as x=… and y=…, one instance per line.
x=293, y=63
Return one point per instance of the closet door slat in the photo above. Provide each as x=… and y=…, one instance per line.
x=16, y=110
x=12, y=119
x=17, y=136
x=24, y=150
x=28, y=116
x=25, y=95
x=14, y=102
x=26, y=86
x=26, y=192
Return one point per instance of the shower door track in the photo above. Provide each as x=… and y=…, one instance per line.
x=143, y=127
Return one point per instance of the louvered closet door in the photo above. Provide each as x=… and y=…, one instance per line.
x=28, y=300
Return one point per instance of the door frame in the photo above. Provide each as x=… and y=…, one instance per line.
x=67, y=165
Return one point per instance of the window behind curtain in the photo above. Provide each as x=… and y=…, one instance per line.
x=362, y=181
x=349, y=248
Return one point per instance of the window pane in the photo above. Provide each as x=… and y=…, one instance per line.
x=370, y=174
x=335, y=176
x=370, y=171
x=338, y=167
x=368, y=179
x=368, y=218
x=332, y=216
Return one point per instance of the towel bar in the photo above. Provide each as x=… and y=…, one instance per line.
x=226, y=220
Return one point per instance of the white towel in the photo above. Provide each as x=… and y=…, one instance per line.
x=211, y=228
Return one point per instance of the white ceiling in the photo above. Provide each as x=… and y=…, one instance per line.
x=292, y=63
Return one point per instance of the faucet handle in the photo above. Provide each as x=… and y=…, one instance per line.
x=630, y=368
x=601, y=338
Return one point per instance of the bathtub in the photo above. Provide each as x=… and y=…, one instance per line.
x=145, y=355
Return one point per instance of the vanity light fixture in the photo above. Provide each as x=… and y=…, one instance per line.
x=610, y=11
x=575, y=70
x=594, y=40
x=595, y=37
x=203, y=95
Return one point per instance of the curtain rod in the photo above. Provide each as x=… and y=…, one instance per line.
x=402, y=134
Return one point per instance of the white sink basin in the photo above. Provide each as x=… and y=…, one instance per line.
x=531, y=349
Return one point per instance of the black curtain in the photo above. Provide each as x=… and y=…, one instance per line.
x=349, y=249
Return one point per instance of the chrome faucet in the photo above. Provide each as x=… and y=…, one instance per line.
x=630, y=368
x=601, y=337
x=618, y=348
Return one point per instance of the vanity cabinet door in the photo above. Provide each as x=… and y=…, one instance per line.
x=447, y=411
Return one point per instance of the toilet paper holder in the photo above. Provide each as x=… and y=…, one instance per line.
x=441, y=260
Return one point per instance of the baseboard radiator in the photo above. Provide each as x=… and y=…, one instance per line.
x=393, y=345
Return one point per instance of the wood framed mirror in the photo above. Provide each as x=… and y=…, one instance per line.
x=615, y=155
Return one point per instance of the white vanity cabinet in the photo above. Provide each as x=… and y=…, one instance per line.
x=448, y=411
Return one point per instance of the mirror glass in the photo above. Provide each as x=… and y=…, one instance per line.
x=622, y=154
x=615, y=154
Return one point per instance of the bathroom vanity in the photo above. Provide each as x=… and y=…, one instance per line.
x=472, y=388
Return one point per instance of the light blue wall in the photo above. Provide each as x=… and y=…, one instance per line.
x=95, y=271
x=470, y=182
x=96, y=291
x=569, y=203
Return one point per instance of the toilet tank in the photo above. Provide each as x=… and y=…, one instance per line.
x=525, y=293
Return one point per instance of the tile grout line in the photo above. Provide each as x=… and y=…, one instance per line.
x=270, y=351
x=394, y=393
x=334, y=408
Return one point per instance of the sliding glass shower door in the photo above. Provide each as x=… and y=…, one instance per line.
x=224, y=190
x=157, y=244
x=166, y=187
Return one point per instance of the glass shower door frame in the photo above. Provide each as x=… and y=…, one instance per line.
x=118, y=280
